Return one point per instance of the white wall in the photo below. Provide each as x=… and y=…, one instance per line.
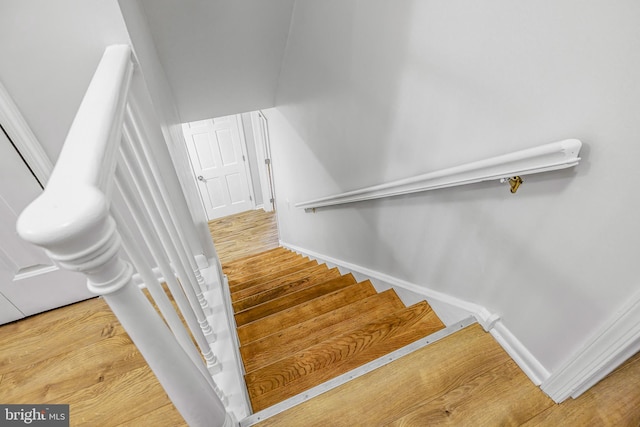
x=156, y=98
x=221, y=57
x=49, y=51
x=374, y=91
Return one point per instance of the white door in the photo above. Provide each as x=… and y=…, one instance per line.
x=29, y=282
x=219, y=161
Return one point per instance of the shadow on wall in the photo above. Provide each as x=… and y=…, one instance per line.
x=360, y=60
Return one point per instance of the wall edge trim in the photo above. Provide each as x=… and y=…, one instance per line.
x=23, y=137
x=612, y=344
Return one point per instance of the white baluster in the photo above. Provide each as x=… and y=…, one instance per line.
x=76, y=230
x=158, y=294
x=180, y=217
x=164, y=226
x=153, y=238
x=134, y=137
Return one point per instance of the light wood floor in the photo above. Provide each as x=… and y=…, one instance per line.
x=244, y=234
x=466, y=379
x=80, y=355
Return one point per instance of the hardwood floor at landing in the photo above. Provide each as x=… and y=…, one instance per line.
x=243, y=234
x=80, y=355
x=465, y=379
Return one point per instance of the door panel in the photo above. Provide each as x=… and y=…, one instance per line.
x=29, y=280
x=204, y=151
x=218, y=159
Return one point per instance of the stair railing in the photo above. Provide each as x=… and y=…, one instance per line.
x=82, y=227
x=507, y=168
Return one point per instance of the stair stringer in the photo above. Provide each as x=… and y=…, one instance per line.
x=230, y=379
x=450, y=309
x=226, y=347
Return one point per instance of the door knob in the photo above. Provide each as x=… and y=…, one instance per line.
x=201, y=178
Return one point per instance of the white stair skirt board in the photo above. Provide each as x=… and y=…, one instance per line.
x=355, y=373
x=609, y=347
x=491, y=322
x=231, y=378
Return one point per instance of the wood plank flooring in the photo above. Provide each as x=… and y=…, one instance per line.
x=243, y=234
x=80, y=355
x=465, y=379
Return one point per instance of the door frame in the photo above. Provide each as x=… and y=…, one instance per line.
x=23, y=137
x=243, y=147
x=260, y=129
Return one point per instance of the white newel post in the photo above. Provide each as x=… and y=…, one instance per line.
x=75, y=228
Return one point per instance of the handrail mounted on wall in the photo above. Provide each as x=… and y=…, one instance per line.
x=544, y=158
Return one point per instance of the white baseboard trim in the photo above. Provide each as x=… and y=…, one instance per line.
x=519, y=353
x=491, y=322
x=609, y=347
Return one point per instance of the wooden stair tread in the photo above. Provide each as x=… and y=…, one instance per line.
x=330, y=358
x=389, y=393
x=257, y=271
x=303, y=312
x=265, y=258
x=291, y=340
x=271, y=276
x=295, y=298
x=255, y=292
x=253, y=257
x=240, y=271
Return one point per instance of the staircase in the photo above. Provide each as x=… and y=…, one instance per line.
x=301, y=323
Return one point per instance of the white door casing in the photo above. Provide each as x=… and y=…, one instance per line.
x=29, y=281
x=219, y=162
x=263, y=153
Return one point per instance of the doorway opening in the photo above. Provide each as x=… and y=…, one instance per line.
x=230, y=161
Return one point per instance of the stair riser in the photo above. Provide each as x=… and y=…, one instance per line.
x=272, y=324
x=279, y=288
x=296, y=298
